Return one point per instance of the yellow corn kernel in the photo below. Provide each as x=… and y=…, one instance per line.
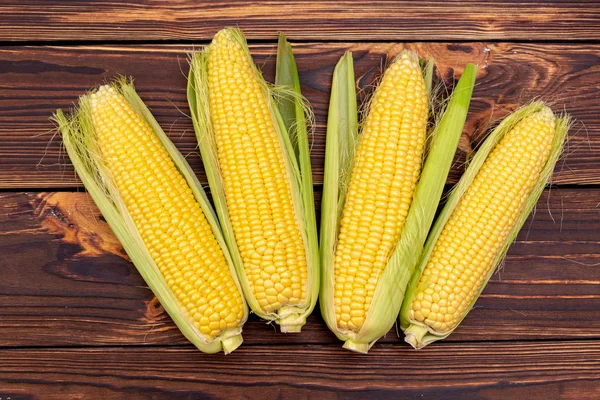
x=255, y=179
x=478, y=228
x=167, y=215
x=384, y=176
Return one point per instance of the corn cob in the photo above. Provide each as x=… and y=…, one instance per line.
x=158, y=210
x=260, y=179
x=482, y=217
x=374, y=224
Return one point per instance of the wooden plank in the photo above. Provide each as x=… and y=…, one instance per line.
x=306, y=20
x=34, y=81
x=562, y=369
x=67, y=282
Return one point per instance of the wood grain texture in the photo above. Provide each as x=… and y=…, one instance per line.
x=34, y=81
x=76, y=319
x=306, y=20
x=537, y=370
x=67, y=282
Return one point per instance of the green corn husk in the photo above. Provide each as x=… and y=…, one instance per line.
x=79, y=140
x=294, y=111
x=420, y=335
x=289, y=111
x=342, y=137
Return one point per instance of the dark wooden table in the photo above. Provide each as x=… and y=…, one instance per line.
x=76, y=319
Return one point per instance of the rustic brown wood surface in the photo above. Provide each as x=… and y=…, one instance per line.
x=77, y=320
x=37, y=80
x=85, y=286
x=519, y=370
x=307, y=20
